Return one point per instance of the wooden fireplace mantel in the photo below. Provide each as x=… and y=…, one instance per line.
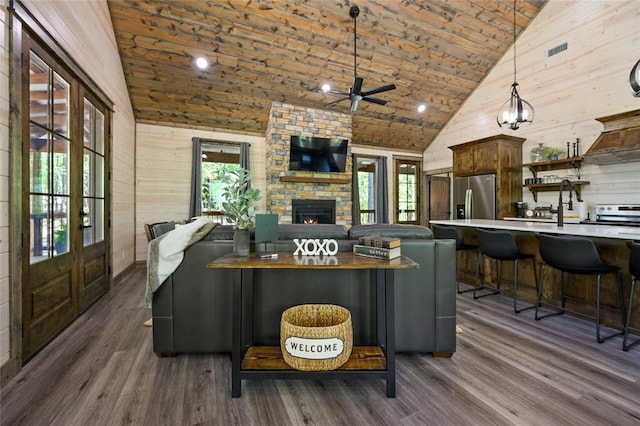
x=313, y=179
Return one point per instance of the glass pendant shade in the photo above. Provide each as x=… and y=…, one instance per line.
x=515, y=110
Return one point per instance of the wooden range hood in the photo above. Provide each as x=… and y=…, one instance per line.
x=619, y=142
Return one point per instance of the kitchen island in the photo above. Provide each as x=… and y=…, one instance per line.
x=610, y=240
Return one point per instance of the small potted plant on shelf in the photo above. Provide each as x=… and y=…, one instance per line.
x=239, y=206
x=553, y=152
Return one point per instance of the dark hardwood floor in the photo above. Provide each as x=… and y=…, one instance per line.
x=508, y=369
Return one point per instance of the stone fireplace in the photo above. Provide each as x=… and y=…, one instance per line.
x=313, y=211
x=286, y=186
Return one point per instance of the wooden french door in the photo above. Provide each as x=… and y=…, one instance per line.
x=65, y=262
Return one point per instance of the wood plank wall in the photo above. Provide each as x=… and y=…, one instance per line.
x=568, y=91
x=163, y=173
x=4, y=187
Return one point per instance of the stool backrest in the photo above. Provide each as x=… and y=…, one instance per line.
x=571, y=254
x=446, y=233
x=497, y=244
x=634, y=260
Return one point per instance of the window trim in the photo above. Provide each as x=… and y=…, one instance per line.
x=397, y=160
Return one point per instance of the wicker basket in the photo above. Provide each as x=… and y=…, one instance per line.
x=316, y=337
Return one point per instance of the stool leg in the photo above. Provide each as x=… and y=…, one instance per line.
x=479, y=279
x=459, y=252
x=602, y=339
x=627, y=325
x=539, y=301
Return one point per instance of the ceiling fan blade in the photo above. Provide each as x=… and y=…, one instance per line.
x=379, y=90
x=357, y=85
x=336, y=101
x=374, y=100
x=337, y=92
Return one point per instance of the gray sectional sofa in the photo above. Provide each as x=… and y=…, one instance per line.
x=192, y=308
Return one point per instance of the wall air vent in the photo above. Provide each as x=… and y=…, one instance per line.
x=555, y=50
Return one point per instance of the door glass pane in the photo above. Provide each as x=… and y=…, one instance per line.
x=366, y=189
x=39, y=228
x=88, y=213
x=60, y=166
x=60, y=105
x=39, y=160
x=39, y=92
x=93, y=174
x=49, y=161
x=87, y=178
x=60, y=224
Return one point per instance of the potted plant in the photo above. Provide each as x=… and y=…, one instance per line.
x=553, y=152
x=239, y=206
x=60, y=240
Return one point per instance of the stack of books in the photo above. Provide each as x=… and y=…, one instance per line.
x=378, y=247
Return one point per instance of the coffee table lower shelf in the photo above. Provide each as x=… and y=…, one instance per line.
x=266, y=363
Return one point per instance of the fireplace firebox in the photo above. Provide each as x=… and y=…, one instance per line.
x=313, y=211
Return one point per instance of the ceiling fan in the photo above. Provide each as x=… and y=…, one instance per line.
x=355, y=93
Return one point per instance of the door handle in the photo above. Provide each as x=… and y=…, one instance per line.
x=85, y=226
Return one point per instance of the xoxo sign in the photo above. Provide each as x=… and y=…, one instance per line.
x=315, y=247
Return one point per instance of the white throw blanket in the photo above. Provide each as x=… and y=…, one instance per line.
x=165, y=253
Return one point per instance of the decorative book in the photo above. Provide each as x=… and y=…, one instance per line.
x=384, y=242
x=377, y=252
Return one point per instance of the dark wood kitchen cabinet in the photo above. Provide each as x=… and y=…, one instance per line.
x=500, y=154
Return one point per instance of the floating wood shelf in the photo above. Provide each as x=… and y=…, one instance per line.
x=312, y=179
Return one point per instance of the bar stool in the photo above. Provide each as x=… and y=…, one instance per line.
x=451, y=233
x=576, y=255
x=634, y=269
x=501, y=247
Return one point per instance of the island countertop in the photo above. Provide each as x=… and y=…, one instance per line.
x=592, y=231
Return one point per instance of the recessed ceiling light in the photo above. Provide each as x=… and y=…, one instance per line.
x=202, y=62
x=422, y=108
x=326, y=88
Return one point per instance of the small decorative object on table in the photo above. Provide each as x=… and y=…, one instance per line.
x=316, y=337
x=384, y=242
x=239, y=207
x=377, y=252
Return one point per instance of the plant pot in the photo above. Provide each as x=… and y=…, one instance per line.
x=241, y=242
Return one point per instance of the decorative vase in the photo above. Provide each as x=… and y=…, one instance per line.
x=538, y=153
x=241, y=242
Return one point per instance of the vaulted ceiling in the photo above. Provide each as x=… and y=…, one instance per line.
x=435, y=52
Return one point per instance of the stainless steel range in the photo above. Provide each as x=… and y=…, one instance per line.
x=618, y=214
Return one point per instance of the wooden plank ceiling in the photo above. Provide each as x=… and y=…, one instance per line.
x=435, y=52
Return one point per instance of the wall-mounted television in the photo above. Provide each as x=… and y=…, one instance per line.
x=314, y=154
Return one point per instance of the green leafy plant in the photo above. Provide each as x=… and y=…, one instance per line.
x=553, y=152
x=60, y=234
x=239, y=199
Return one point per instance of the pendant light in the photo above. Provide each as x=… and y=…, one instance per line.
x=515, y=110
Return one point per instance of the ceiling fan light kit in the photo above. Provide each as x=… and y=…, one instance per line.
x=355, y=94
x=515, y=110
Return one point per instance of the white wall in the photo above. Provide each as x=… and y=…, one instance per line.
x=4, y=184
x=568, y=91
x=163, y=173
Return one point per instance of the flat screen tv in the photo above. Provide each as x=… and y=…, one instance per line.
x=314, y=154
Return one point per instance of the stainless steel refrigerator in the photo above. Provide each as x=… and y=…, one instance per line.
x=475, y=197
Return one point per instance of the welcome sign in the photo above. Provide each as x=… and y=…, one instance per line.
x=301, y=347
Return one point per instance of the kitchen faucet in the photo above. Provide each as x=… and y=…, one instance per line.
x=560, y=210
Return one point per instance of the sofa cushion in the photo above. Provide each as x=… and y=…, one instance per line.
x=289, y=231
x=402, y=231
